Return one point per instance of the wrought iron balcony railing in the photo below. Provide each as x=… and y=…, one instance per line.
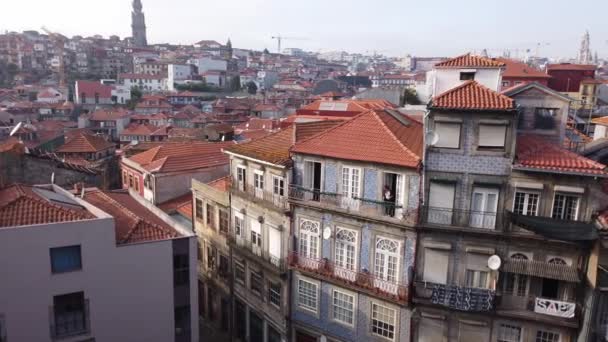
x=377, y=285
x=361, y=206
x=457, y=297
x=72, y=323
x=461, y=218
x=256, y=194
x=247, y=245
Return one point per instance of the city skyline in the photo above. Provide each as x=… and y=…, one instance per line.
x=251, y=25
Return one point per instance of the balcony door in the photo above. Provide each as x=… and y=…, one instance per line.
x=441, y=203
x=309, y=244
x=393, y=195
x=351, y=187
x=256, y=237
x=312, y=179
x=484, y=204
x=386, y=265
x=346, y=254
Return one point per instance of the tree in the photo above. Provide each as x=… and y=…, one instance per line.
x=410, y=97
x=252, y=88
x=135, y=97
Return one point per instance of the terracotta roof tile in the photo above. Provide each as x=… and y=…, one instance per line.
x=472, y=95
x=20, y=205
x=172, y=157
x=570, y=66
x=470, y=61
x=85, y=143
x=534, y=152
x=273, y=148
x=108, y=115
x=601, y=121
x=133, y=222
x=90, y=88
x=519, y=69
x=376, y=136
x=222, y=184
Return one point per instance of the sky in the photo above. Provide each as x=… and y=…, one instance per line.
x=390, y=27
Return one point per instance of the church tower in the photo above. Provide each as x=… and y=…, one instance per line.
x=584, y=54
x=138, y=25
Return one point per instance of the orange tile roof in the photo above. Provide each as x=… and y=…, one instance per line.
x=108, y=115
x=470, y=61
x=222, y=184
x=173, y=157
x=519, y=69
x=601, y=121
x=305, y=130
x=273, y=148
x=20, y=205
x=186, y=209
x=570, y=66
x=133, y=222
x=376, y=136
x=85, y=143
x=144, y=129
x=472, y=95
x=535, y=152
x=172, y=204
x=347, y=105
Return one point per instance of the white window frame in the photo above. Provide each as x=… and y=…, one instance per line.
x=239, y=225
x=242, y=184
x=383, y=259
x=309, y=236
x=491, y=146
x=394, y=323
x=351, y=188
x=317, y=286
x=526, y=203
x=568, y=194
x=309, y=177
x=503, y=337
x=258, y=183
x=559, y=336
x=345, y=250
x=281, y=185
x=335, y=308
x=447, y=145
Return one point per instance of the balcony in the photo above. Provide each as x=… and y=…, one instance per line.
x=553, y=228
x=70, y=323
x=539, y=309
x=355, y=280
x=456, y=297
x=256, y=252
x=459, y=218
x=257, y=195
x=383, y=210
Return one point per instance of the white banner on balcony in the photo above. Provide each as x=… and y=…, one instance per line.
x=554, y=308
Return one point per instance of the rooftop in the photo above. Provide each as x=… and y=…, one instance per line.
x=85, y=143
x=133, y=222
x=22, y=205
x=570, y=66
x=178, y=156
x=470, y=61
x=380, y=136
x=534, y=152
x=519, y=69
x=603, y=121
x=474, y=96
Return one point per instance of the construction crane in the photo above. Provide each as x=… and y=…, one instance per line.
x=279, y=38
x=59, y=42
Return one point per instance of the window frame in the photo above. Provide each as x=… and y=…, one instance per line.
x=349, y=185
x=274, y=295
x=459, y=142
x=75, y=268
x=466, y=75
x=353, y=310
x=257, y=274
x=316, y=298
x=308, y=235
x=342, y=261
x=526, y=201
x=386, y=276
x=280, y=186
x=394, y=323
x=566, y=195
x=198, y=210
x=491, y=147
x=258, y=180
x=238, y=267
x=502, y=336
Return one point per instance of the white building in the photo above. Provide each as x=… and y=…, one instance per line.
x=177, y=73
x=145, y=82
x=205, y=64
x=100, y=266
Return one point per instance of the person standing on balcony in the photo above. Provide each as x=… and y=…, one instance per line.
x=389, y=207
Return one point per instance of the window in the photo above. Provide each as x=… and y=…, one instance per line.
x=66, y=259
x=477, y=279
x=137, y=184
x=546, y=336
x=256, y=235
x=309, y=239
x=386, y=261
x=468, y=75
x=199, y=209
x=526, y=203
x=492, y=136
x=211, y=252
x=345, y=253
x=557, y=261
x=239, y=272
x=351, y=179
x=255, y=279
x=449, y=134
x=307, y=295
x=509, y=333
x=506, y=83
x=223, y=221
x=516, y=284
x=224, y=268
x=241, y=178
x=181, y=269
x=484, y=205
x=343, y=307
x=565, y=207
x=435, y=266
x=210, y=216
x=258, y=180
x=544, y=118
x=278, y=186
x=274, y=293
x=238, y=226
x=125, y=178
x=130, y=180
x=383, y=321
x=70, y=315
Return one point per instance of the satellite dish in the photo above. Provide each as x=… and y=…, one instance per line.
x=494, y=262
x=326, y=233
x=16, y=128
x=431, y=138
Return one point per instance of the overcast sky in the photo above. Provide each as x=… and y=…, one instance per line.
x=392, y=27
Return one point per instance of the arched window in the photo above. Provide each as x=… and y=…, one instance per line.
x=519, y=256
x=386, y=261
x=345, y=249
x=558, y=261
x=516, y=284
x=309, y=239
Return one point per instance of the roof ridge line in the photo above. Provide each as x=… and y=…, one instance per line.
x=394, y=137
x=330, y=129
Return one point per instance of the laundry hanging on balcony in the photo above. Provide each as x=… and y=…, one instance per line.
x=556, y=228
x=463, y=298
